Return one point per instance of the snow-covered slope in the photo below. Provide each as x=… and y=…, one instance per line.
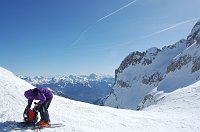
x=12, y=99
x=165, y=69
x=175, y=112
x=89, y=89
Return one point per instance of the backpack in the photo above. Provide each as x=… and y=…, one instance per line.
x=30, y=116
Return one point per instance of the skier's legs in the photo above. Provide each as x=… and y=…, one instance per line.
x=44, y=110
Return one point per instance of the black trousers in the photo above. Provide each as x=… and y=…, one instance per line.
x=43, y=109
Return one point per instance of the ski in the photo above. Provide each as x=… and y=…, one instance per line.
x=50, y=126
x=25, y=126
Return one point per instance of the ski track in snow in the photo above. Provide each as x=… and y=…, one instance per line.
x=177, y=112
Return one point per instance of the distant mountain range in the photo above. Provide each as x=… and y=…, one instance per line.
x=90, y=89
x=142, y=76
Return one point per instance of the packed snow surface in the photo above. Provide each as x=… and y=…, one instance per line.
x=177, y=111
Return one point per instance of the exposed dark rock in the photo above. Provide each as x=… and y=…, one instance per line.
x=196, y=65
x=194, y=35
x=123, y=84
x=153, y=79
x=179, y=63
x=132, y=59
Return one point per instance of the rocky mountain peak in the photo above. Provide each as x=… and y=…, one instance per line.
x=194, y=36
x=137, y=57
x=132, y=59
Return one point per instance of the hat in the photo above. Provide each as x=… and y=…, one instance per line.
x=35, y=91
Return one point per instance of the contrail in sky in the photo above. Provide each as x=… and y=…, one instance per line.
x=101, y=19
x=116, y=11
x=81, y=35
x=171, y=27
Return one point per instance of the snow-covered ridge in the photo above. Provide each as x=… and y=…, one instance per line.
x=166, y=69
x=176, y=111
x=69, y=79
x=90, y=89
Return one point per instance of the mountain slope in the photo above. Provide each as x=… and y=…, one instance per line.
x=175, y=112
x=11, y=95
x=165, y=69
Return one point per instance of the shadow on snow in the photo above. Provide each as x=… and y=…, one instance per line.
x=7, y=126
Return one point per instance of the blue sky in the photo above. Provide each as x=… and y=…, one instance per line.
x=63, y=37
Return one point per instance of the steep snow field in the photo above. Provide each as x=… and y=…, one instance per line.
x=174, y=112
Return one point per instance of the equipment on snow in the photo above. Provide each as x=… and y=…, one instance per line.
x=30, y=116
x=24, y=126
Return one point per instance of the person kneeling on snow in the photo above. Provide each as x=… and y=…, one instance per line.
x=44, y=96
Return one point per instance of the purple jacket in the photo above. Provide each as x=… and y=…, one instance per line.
x=43, y=95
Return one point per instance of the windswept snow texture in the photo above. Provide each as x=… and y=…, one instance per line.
x=90, y=89
x=175, y=112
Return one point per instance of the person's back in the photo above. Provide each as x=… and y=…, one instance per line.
x=48, y=94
